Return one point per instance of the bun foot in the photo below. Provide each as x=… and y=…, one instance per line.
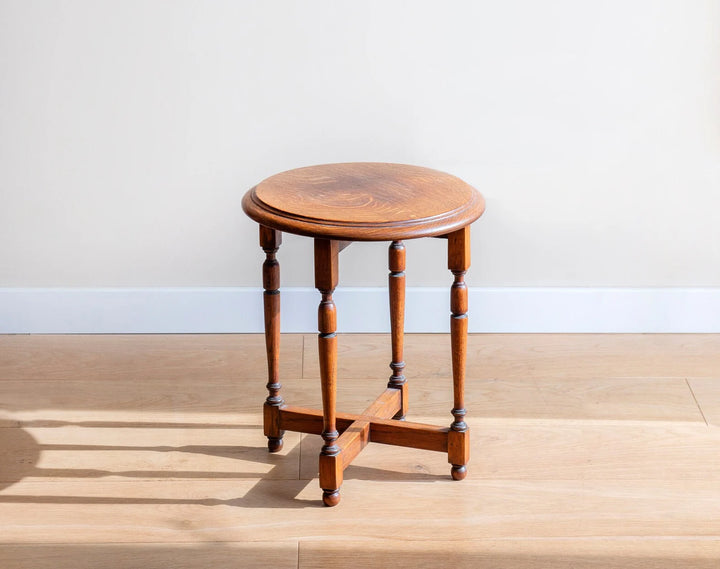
x=331, y=498
x=458, y=471
x=275, y=444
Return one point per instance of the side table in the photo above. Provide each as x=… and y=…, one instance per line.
x=337, y=204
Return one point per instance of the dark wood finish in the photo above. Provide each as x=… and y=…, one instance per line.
x=326, y=279
x=385, y=406
x=458, y=263
x=331, y=478
x=409, y=434
x=364, y=201
x=353, y=440
x=326, y=264
x=310, y=421
x=396, y=286
x=357, y=435
x=458, y=452
x=382, y=431
x=337, y=204
x=270, y=240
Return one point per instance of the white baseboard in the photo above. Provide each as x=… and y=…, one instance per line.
x=225, y=310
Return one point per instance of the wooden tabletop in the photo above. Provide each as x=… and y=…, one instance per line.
x=364, y=201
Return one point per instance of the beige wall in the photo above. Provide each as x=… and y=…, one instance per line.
x=129, y=131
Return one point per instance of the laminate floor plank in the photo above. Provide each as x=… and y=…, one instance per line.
x=593, y=398
x=580, y=553
x=212, y=401
x=707, y=394
x=147, y=451
x=229, y=555
x=600, y=398
x=540, y=356
x=539, y=450
x=152, y=402
x=77, y=510
x=140, y=356
x=144, y=453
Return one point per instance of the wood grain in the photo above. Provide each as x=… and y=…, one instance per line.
x=121, y=403
x=357, y=436
x=396, y=287
x=512, y=554
x=364, y=201
x=537, y=356
x=383, y=431
x=227, y=555
x=144, y=356
x=539, y=450
x=326, y=279
x=707, y=394
x=458, y=263
x=592, y=399
x=589, y=451
x=81, y=511
x=270, y=241
x=142, y=453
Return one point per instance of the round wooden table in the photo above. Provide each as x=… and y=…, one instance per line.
x=337, y=204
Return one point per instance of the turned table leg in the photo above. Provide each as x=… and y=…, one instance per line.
x=270, y=240
x=458, y=437
x=396, y=286
x=326, y=279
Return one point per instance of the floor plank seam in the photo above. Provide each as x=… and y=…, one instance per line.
x=302, y=358
x=148, y=543
x=492, y=538
x=300, y=457
x=696, y=401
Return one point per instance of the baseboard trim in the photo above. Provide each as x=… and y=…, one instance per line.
x=360, y=309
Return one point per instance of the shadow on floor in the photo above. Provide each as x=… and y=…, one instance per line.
x=23, y=454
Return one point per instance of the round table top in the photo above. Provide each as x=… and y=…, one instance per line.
x=364, y=201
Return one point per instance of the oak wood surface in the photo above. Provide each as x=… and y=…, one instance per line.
x=549, y=553
x=589, y=451
x=225, y=555
x=535, y=356
x=91, y=403
x=537, y=450
x=364, y=201
x=143, y=356
x=565, y=399
x=75, y=510
x=128, y=453
x=592, y=553
x=706, y=392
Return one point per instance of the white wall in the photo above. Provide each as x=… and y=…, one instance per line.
x=130, y=129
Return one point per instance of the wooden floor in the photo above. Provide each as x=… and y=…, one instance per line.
x=597, y=451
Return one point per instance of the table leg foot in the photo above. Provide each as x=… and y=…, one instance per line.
x=331, y=497
x=275, y=444
x=458, y=471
